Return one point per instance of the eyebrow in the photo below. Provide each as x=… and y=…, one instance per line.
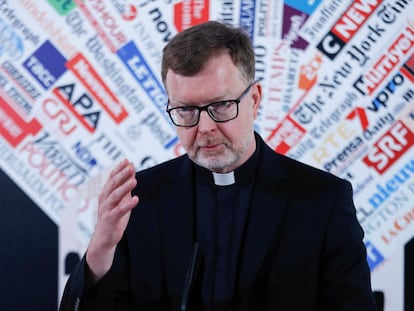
x=214, y=100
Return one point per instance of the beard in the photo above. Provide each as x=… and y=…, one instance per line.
x=225, y=159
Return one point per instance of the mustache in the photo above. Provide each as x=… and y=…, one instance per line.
x=209, y=141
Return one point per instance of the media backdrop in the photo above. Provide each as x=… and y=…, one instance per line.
x=80, y=90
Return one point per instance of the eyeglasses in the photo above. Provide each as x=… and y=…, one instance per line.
x=221, y=111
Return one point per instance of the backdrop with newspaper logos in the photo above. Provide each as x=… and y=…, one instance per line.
x=80, y=90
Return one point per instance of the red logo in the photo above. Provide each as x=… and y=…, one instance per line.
x=356, y=15
x=286, y=135
x=84, y=71
x=390, y=147
x=387, y=62
x=13, y=127
x=130, y=12
x=190, y=12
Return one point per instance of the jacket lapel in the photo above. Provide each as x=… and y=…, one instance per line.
x=177, y=225
x=263, y=228
x=265, y=219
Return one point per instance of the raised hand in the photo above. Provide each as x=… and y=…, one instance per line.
x=115, y=203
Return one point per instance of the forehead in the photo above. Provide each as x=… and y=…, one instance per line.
x=216, y=81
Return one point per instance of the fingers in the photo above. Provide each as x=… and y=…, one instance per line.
x=126, y=204
x=122, y=190
x=120, y=174
x=121, y=182
x=115, y=203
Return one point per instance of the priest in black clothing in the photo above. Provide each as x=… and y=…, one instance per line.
x=230, y=225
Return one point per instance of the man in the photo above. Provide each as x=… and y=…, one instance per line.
x=231, y=225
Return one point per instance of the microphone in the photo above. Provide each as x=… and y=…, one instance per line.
x=190, y=276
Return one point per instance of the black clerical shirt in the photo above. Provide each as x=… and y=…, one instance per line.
x=222, y=211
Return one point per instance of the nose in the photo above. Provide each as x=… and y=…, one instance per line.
x=206, y=123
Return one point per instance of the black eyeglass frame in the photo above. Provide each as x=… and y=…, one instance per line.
x=205, y=108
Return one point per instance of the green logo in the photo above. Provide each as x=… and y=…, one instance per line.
x=63, y=7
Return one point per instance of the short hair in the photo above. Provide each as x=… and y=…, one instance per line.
x=188, y=51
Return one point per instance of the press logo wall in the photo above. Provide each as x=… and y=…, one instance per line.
x=66, y=162
x=294, y=16
x=52, y=175
x=56, y=114
x=271, y=72
x=49, y=24
x=383, y=96
x=400, y=226
x=77, y=24
x=346, y=27
x=339, y=148
x=389, y=148
x=11, y=43
x=161, y=25
x=374, y=257
x=46, y=64
x=13, y=126
x=321, y=19
x=305, y=83
x=286, y=135
x=16, y=91
x=191, y=12
x=262, y=18
x=21, y=85
x=408, y=68
x=105, y=23
x=20, y=25
x=138, y=67
x=80, y=90
x=224, y=11
x=366, y=84
x=62, y=7
x=80, y=103
x=247, y=10
x=385, y=213
x=127, y=9
x=376, y=126
x=84, y=71
x=307, y=7
x=312, y=106
x=118, y=81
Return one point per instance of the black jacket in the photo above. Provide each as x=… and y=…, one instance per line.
x=302, y=249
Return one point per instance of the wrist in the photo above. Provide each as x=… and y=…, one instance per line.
x=99, y=262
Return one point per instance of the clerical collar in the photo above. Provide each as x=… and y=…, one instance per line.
x=225, y=179
x=242, y=175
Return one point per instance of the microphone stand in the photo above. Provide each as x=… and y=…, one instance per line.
x=190, y=276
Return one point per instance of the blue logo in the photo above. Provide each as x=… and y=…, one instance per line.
x=10, y=42
x=247, y=9
x=46, y=65
x=374, y=257
x=136, y=64
x=306, y=7
x=138, y=67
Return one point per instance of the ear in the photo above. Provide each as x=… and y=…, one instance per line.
x=257, y=98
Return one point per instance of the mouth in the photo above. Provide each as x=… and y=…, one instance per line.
x=211, y=147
